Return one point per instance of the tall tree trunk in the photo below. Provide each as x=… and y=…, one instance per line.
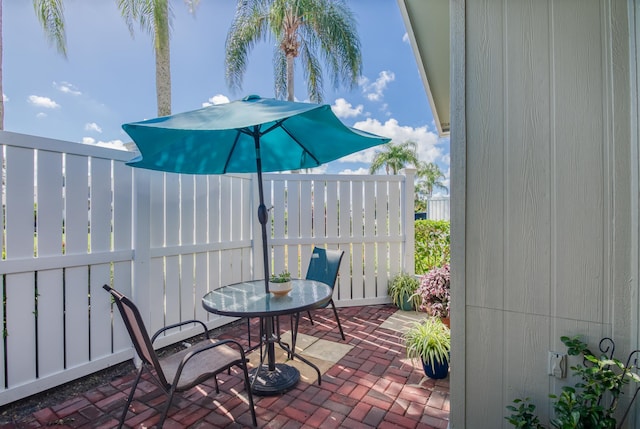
x=1, y=90
x=163, y=78
x=290, y=96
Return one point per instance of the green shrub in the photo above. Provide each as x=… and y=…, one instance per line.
x=431, y=244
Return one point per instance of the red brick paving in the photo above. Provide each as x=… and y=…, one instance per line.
x=373, y=386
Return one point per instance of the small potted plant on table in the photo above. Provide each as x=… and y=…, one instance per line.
x=280, y=284
x=401, y=290
x=430, y=341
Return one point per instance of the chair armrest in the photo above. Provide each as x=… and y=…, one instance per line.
x=175, y=325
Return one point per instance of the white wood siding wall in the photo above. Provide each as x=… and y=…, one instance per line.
x=547, y=240
x=165, y=239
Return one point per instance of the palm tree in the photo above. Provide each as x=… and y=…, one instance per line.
x=394, y=157
x=50, y=13
x=154, y=16
x=429, y=175
x=307, y=29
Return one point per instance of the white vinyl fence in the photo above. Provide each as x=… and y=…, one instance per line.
x=438, y=208
x=76, y=217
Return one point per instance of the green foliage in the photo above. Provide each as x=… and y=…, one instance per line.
x=592, y=402
x=429, y=341
x=403, y=284
x=523, y=415
x=428, y=177
x=394, y=157
x=283, y=277
x=317, y=36
x=432, y=239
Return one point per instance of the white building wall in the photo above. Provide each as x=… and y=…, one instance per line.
x=542, y=238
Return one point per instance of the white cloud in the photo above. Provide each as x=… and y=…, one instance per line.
x=45, y=102
x=374, y=90
x=360, y=170
x=321, y=169
x=92, y=126
x=4, y=97
x=343, y=109
x=113, y=144
x=427, y=142
x=41, y=115
x=216, y=99
x=405, y=38
x=67, y=88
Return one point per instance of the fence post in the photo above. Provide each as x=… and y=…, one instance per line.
x=408, y=223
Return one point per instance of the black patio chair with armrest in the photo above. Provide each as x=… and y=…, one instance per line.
x=182, y=370
x=323, y=267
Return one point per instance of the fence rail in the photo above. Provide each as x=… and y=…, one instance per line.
x=75, y=217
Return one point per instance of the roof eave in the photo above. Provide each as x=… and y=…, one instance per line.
x=427, y=24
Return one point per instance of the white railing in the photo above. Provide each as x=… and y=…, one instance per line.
x=76, y=217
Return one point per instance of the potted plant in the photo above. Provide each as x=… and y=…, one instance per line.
x=401, y=289
x=434, y=293
x=430, y=341
x=280, y=284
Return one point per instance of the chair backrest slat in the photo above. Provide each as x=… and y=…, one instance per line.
x=137, y=331
x=324, y=265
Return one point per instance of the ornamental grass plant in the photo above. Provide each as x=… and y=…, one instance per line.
x=428, y=340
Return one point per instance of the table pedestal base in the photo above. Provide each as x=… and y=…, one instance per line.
x=268, y=383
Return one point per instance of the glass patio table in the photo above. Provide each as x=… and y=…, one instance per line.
x=248, y=299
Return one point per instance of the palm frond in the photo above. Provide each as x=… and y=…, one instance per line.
x=279, y=74
x=312, y=74
x=50, y=13
x=248, y=27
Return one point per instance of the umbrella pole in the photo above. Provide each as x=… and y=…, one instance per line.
x=262, y=214
x=262, y=217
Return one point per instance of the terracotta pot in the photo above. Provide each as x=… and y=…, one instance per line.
x=446, y=321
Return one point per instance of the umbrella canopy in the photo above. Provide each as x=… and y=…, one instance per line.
x=251, y=135
x=222, y=138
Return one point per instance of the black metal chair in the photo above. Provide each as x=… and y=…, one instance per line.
x=182, y=370
x=323, y=267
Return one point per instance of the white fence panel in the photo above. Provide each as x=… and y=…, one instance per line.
x=50, y=322
x=353, y=213
x=370, y=231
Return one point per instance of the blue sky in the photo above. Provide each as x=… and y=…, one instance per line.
x=108, y=77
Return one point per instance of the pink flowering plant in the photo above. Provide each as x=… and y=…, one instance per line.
x=434, y=290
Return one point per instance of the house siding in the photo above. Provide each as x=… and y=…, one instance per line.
x=548, y=217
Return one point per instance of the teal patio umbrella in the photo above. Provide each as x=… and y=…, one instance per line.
x=252, y=135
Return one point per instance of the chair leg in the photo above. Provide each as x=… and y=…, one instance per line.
x=335, y=312
x=130, y=398
x=247, y=386
x=166, y=409
x=249, y=331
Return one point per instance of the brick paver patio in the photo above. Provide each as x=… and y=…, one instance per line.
x=372, y=386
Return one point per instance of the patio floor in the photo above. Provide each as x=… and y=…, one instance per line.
x=367, y=383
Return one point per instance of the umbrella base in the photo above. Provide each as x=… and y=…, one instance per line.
x=275, y=382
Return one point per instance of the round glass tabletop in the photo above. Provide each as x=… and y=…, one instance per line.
x=248, y=299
